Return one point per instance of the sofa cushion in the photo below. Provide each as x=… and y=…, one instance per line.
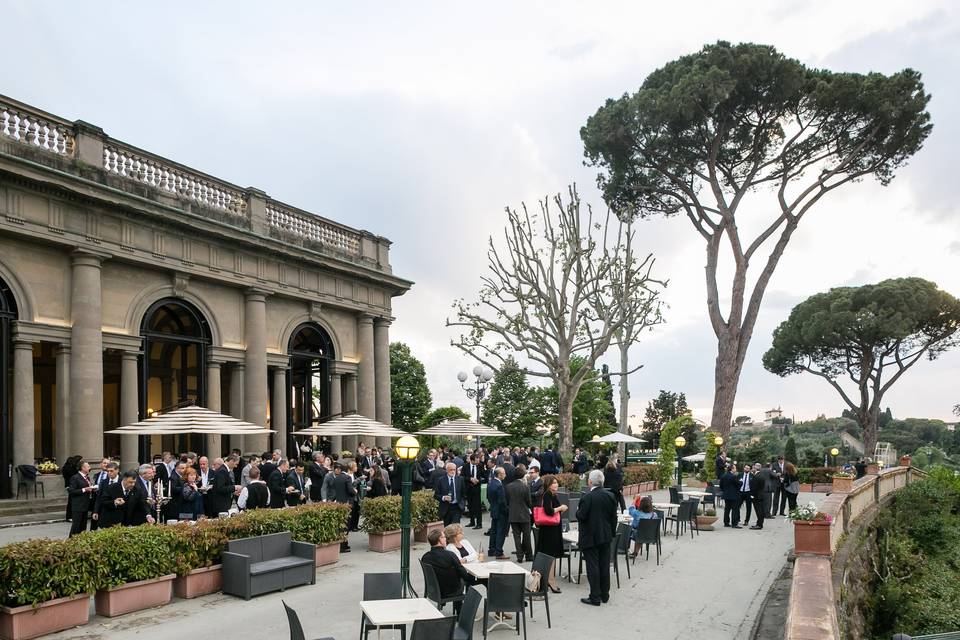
x=248, y=547
x=276, y=545
x=278, y=564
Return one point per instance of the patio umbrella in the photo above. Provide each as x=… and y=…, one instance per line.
x=191, y=419
x=696, y=457
x=462, y=427
x=352, y=425
x=616, y=436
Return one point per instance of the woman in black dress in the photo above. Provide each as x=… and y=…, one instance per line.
x=551, y=536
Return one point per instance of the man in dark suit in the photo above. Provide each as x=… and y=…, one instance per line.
x=771, y=481
x=317, y=472
x=109, y=472
x=597, y=517
x=473, y=477
x=758, y=489
x=142, y=499
x=499, y=514
x=779, y=494
x=116, y=501
x=174, y=488
x=519, y=505
x=449, y=492
x=450, y=573
x=277, y=484
x=298, y=482
x=163, y=468
x=746, y=498
x=546, y=461
x=535, y=484
x=238, y=470
x=557, y=460
x=343, y=489
x=220, y=495
x=730, y=488
x=81, y=491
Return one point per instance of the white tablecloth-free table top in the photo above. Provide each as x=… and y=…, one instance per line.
x=698, y=494
x=402, y=611
x=482, y=570
x=571, y=536
x=665, y=506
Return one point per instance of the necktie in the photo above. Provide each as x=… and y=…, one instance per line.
x=746, y=482
x=453, y=492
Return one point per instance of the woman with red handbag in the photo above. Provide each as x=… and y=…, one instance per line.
x=547, y=518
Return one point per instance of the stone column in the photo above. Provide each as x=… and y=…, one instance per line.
x=236, y=404
x=278, y=410
x=24, y=446
x=381, y=351
x=62, y=440
x=350, y=406
x=336, y=408
x=255, y=377
x=129, y=409
x=213, y=444
x=366, y=374
x=86, y=367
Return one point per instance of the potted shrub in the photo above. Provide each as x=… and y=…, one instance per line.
x=380, y=518
x=323, y=525
x=706, y=520
x=46, y=586
x=197, y=551
x=141, y=564
x=569, y=481
x=905, y=460
x=842, y=482
x=425, y=514
x=811, y=530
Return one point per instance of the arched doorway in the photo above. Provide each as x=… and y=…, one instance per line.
x=8, y=313
x=311, y=354
x=175, y=341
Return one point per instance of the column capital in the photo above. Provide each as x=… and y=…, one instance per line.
x=130, y=355
x=88, y=258
x=240, y=366
x=383, y=322
x=365, y=318
x=213, y=364
x=61, y=349
x=255, y=294
x=22, y=343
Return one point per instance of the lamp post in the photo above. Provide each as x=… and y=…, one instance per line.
x=834, y=452
x=543, y=430
x=482, y=377
x=407, y=449
x=680, y=442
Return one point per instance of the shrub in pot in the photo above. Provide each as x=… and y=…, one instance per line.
x=323, y=525
x=424, y=514
x=569, y=481
x=141, y=563
x=380, y=519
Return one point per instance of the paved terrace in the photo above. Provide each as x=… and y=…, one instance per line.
x=708, y=587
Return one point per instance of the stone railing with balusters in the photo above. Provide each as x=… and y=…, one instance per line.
x=36, y=129
x=312, y=229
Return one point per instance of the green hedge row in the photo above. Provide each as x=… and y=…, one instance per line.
x=637, y=473
x=816, y=475
x=34, y=571
x=382, y=514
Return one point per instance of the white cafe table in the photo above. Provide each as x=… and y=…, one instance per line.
x=571, y=536
x=482, y=570
x=402, y=611
x=695, y=494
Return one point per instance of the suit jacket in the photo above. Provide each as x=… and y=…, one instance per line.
x=435, y=476
x=112, y=515
x=757, y=485
x=749, y=476
x=519, y=502
x=613, y=480
x=442, y=488
x=173, y=509
x=103, y=481
x=220, y=495
x=450, y=573
x=238, y=472
x=299, y=483
x=138, y=506
x=546, y=461
x=317, y=473
x=497, y=498
x=478, y=473
x=730, y=486
x=277, y=483
x=597, y=515
x=769, y=480
x=343, y=490
x=557, y=462
x=536, y=488
x=266, y=470
x=80, y=500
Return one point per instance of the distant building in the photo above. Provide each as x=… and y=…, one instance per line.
x=772, y=414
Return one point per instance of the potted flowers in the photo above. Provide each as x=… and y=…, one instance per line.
x=811, y=530
x=706, y=520
x=380, y=518
x=48, y=467
x=842, y=482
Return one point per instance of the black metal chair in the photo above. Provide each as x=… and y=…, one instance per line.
x=647, y=532
x=468, y=615
x=436, y=629
x=681, y=518
x=505, y=594
x=27, y=478
x=711, y=497
x=432, y=589
x=296, y=630
x=674, y=495
x=381, y=586
x=541, y=564
x=622, y=546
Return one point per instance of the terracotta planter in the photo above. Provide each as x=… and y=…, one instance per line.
x=873, y=469
x=705, y=523
x=199, y=582
x=420, y=535
x=327, y=554
x=383, y=542
x=905, y=461
x=20, y=623
x=134, y=596
x=806, y=488
x=811, y=537
x=842, y=485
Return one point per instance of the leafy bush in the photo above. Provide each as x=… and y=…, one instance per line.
x=668, y=452
x=379, y=515
x=424, y=508
x=134, y=553
x=569, y=481
x=34, y=571
x=637, y=473
x=710, y=457
x=815, y=475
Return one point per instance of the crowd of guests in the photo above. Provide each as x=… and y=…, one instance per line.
x=765, y=490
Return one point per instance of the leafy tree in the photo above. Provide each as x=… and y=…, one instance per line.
x=511, y=405
x=590, y=407
x=611, y=413
x=667, y=459
x=409, y=392
x=741, y=420
x=790, y=451
x=885, y=418
x=811, y=458
x=661, y=410
x=689, y=429
x=561, y=287
x=858, y=334
x=438, y=415
x=710, y=456
x=715, y=132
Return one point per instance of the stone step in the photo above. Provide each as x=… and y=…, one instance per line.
x=20, y=507
x=7, y=521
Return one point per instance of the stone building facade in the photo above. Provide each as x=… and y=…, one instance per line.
x=131, y=284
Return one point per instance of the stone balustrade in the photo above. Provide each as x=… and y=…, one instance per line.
x=19, y=123
x=285, y=219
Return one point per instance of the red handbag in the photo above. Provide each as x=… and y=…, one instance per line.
x=541, y=519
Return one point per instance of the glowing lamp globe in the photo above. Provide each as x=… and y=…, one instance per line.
x=477, y=371
x=680, y=442
x=718, y=441
x=462, y=376
x=595, y=438
x=407, y=448
x=834, y=452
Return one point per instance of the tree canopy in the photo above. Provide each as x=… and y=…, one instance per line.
x=409, y=392
x=709, y=131
x=861, y=340
x=439, y=414
x=512, y=405
x=667, y=406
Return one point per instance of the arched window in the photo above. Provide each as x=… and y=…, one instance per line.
x=311, y=354
x=8, y=313
x=175, y=341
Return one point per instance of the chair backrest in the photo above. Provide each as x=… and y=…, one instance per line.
x=431, y=585
x=505, y=591
x=711, y=497
x=436, y=629
x=382, y=586
x=251, y=547
x=683, y=511
x=276, y=545
x=674, y=495
x=623, y=538
x=647, y=532
x=694, y=505
x=660, y=514
x=296, y=631
x=468, y=612
x=573, y=508
x=541, y=564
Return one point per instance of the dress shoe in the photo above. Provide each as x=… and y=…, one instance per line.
x=782, y=513
x=725, y=524
x=604, y=599
x=503, y=557
x=554, y=589
x=487, y=532
x=589, y=601
x=479, y=526
x=736, y=526
x=756, y=528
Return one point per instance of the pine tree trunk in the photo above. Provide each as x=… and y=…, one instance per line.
x=565, y=415
x=726, y=379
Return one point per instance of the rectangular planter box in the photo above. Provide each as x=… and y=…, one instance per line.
x=811, y=537
x=806, y=488
x=327, y=554
x=134, y=596
x=20, y=623
x=199, y=582
x=842, y=485
x=420, y=535
x=383, y=542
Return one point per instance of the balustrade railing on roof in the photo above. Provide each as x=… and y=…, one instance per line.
x=312, y=228
x=35, y=130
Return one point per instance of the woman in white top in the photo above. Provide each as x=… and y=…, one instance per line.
x=459, y=545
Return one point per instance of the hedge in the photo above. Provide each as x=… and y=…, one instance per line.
x=637, y=473
x=34, y=571
x=816, y=475
x=379, y=515
x=569, y=481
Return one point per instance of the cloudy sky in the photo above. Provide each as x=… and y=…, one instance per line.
x=421, y=121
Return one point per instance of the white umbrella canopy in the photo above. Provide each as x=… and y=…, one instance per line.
x=353, y=425
x=191, y=419
x=616, y=436
x=462, y=427
x=696, y=457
